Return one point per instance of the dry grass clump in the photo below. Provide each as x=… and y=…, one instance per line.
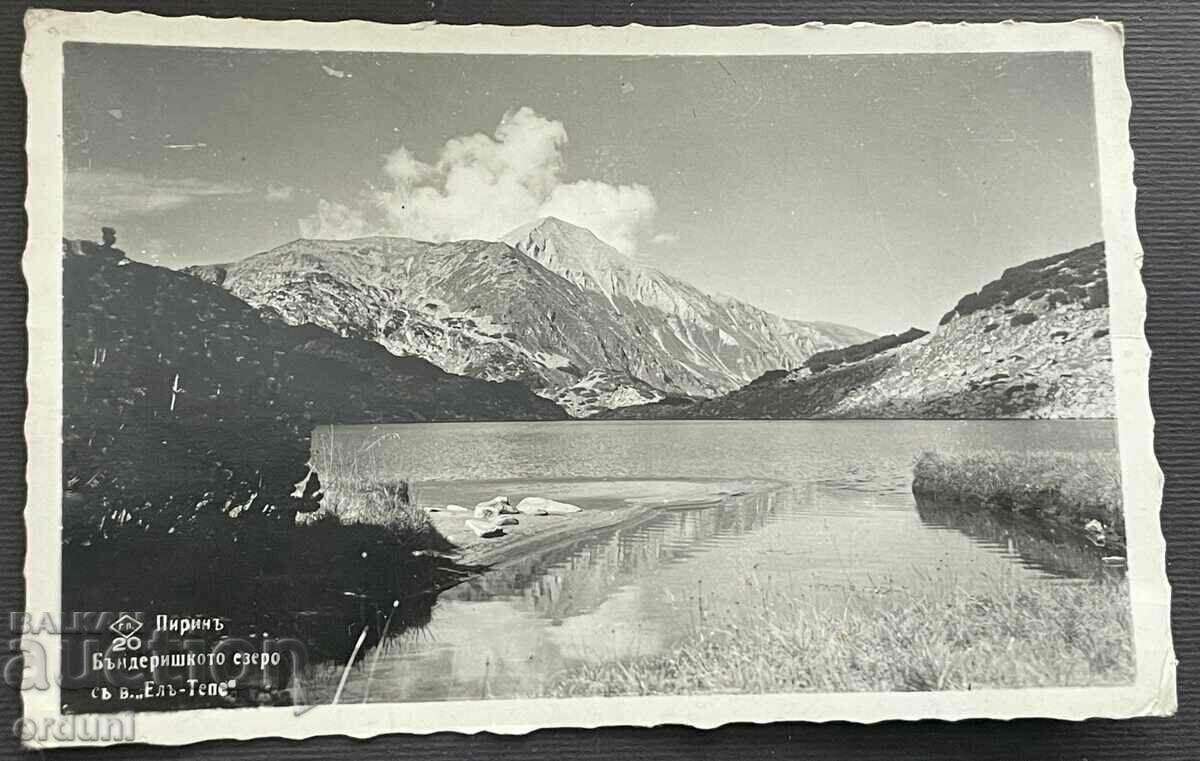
x=364, y=501
x=359, y=492
x=1013, y=635
x=1069, y=488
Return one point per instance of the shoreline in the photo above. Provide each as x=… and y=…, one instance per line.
x=605, y=504
x=1078, y=494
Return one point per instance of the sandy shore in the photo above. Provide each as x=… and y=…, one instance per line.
x=605, y=504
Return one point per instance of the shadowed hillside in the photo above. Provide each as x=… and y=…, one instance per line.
x=183, y=406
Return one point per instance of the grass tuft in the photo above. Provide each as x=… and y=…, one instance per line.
x=1066, y=488
x=1014, y=635
x=358, y=492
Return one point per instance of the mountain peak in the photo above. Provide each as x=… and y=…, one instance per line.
x=571, y=251
x=557, y=223
x=545, y=306
x=554, y=228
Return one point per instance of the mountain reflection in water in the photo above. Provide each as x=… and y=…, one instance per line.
x=846, y=520
x=1038, y=545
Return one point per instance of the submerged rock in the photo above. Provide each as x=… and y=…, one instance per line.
x=543, y=506
x=485, y=530
x=431, y=554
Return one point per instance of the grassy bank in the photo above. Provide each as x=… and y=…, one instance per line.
x=359, y=490
x=1066, y=488
x=1012, y=635
x=362, y=500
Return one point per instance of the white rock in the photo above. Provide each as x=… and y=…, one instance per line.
x=486, y=512
x=493, y=507
x=456, y=509
x=506, y=520
x=543, y=506
x=1095, y=533
x=485, y=530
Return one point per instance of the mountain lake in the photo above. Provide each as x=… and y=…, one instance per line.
x=839, y=516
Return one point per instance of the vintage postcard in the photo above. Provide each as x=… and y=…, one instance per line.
x=409, y=379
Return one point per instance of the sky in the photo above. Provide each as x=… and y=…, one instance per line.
x=872, y=191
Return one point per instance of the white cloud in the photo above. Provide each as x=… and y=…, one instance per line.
x=279, y=192
x=105, y=196
x=482, y=186
x=665, y=238
x=617, y=214
x=334, y=221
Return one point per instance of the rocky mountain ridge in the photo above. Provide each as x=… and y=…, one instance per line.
x=602, y=390
x=1032, y=344
x=731, y=340
x=545, y=311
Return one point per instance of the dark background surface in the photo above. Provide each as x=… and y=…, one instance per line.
x=1162, y=52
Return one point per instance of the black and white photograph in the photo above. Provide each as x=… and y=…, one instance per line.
x=482, y=380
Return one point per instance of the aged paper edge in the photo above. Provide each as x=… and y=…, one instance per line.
x=1153, y=692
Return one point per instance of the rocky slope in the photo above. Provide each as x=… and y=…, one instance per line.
x=1031, y=344
x=545, y=312
x=184, y=406
x=602, y=390
x=724, y=341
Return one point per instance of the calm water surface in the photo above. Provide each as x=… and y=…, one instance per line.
x=844, y=519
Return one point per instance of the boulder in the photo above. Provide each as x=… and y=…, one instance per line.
x=543, y=506
x=486, y=512
x=1095, y=532
x=493, y=507
x=456, y=509
x=506, y=520
x=485, y=530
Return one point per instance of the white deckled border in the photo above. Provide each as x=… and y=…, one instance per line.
x=1153, y=692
